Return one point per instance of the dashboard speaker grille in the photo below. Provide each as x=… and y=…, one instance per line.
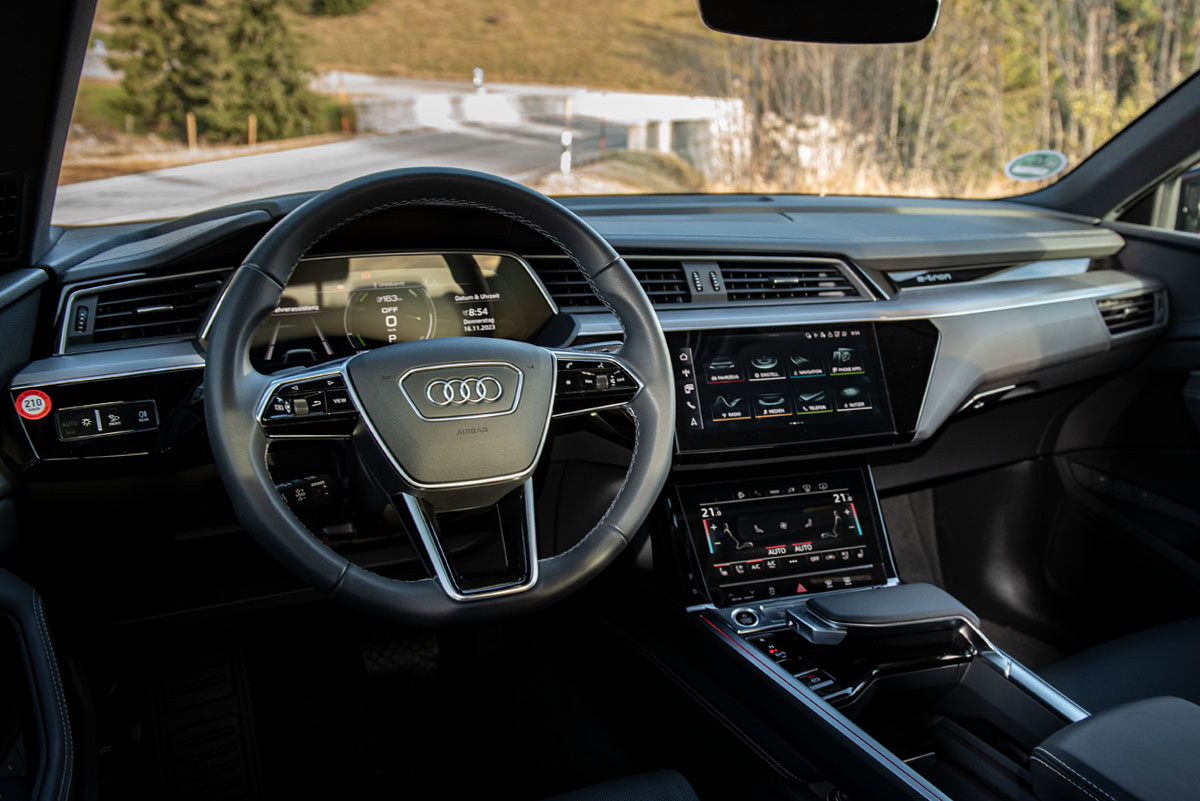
x=1122, y=315
x=10, y=214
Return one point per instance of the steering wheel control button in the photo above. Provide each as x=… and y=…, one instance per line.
x=279, y=407
x=338, y=400
x=310, y=407
x=585, y=384
x=86, y=422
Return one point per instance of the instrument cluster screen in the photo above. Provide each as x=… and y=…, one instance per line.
x=338, y=306
x=746, y=389
x=758, y=540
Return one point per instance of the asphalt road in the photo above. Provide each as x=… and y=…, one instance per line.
x=521, y=153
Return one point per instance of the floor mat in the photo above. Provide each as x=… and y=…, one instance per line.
x=498, y=718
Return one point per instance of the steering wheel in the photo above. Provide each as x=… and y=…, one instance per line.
x=441, y=425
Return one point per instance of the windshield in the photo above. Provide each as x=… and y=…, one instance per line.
x=189, y=104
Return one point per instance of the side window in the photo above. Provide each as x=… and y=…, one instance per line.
x=1187, y=209
x=1174, y=204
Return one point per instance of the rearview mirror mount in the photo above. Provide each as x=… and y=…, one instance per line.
x=831, y=21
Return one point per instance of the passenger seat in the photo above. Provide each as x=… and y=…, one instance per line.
x=1164, y=660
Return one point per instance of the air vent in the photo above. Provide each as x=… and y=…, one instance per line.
x=1124, y=315
x=141, y=309
x=663, y=280
x=811, y=279
x=717, y=280
x=10, y=208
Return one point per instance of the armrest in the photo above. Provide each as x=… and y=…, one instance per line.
x=1142, y=751
x=904, y=603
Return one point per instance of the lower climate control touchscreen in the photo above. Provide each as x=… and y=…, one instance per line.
x=745, y=389
x=758, y=540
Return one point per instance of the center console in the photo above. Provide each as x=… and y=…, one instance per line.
x=790, y=578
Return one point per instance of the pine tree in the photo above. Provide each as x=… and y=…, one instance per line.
x=219, y=59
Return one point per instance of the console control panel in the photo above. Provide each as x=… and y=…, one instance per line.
x=756, y=540
x=102, y=417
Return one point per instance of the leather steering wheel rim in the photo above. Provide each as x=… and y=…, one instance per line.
x=234, y=389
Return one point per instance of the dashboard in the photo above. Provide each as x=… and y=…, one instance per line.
x=790, y=407
x=338, y=306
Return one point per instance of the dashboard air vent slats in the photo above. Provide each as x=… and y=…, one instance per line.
x=663, y=281
x=140, y=309
x=767, y=280
x=717, y=280
x=1123, y=315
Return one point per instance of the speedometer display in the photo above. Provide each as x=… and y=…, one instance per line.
x=337, y=306
x=377, y=317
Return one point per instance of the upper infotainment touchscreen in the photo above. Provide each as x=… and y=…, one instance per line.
x=752, y=388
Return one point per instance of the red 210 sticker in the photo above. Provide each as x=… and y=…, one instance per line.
x=33, y=404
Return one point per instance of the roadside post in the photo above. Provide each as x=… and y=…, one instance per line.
x=191, y=130
x=564, y=160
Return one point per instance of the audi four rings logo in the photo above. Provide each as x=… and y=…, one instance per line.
x=458, y=391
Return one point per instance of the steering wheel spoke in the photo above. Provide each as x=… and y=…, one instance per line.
x=477, y=553
x=312, y=403
x=590, y=382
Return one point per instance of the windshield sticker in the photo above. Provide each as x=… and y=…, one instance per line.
x=1036, y=166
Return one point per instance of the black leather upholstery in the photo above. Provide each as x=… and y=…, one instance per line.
x=661, y=785
x=1164, y=660
x=906, y=603
x=1143, y=751
x=22, y=606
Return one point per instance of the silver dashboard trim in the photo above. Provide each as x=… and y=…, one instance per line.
x=948, y=301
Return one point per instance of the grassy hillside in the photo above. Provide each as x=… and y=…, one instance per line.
x=612, y=44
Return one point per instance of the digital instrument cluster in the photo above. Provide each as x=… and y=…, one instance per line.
x=337, y=306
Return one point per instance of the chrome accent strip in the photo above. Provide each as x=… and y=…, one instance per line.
x=1034, y=684
x=206, y=324
x=452, y=365
x=437, y=558
x=23, y=384
x=978, y=396
x=68, y=301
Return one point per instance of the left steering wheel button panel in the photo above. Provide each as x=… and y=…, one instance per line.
x=296, y=408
